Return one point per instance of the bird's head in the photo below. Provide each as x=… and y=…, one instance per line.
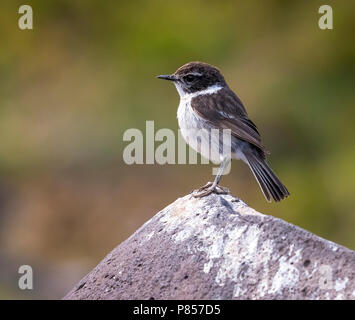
x=195, y=76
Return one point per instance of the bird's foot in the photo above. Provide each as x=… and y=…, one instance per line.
x=209, y=188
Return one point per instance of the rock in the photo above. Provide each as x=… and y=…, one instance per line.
x=219, y=248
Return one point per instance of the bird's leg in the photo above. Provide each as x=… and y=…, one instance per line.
x=213, y=187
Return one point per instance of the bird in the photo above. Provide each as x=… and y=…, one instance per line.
x=208, y=104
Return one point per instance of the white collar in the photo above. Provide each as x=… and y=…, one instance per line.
x=188, y=96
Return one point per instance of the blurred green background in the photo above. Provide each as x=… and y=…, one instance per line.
x=86, y=72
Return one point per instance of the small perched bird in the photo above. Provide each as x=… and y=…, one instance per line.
x=206, y=102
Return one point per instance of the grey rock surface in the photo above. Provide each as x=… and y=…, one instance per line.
x=219, y=248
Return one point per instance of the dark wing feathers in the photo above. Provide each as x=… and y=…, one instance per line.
x=224, y=109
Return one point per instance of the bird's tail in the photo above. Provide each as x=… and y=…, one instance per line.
x=268, y=181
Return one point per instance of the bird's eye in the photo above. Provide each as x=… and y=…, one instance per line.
x=189, y=78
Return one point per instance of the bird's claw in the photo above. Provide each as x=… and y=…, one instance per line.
x=207, y=189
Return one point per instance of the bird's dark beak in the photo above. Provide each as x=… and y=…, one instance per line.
x=167, y=77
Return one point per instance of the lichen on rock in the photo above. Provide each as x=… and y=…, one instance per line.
x=217, y=247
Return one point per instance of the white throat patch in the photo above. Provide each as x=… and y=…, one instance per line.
x=188, y=96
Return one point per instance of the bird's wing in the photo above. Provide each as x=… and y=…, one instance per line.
x=224, y=110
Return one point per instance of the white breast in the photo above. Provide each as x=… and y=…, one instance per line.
x=194, y=129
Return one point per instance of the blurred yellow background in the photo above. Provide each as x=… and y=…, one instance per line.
x=70, y=87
